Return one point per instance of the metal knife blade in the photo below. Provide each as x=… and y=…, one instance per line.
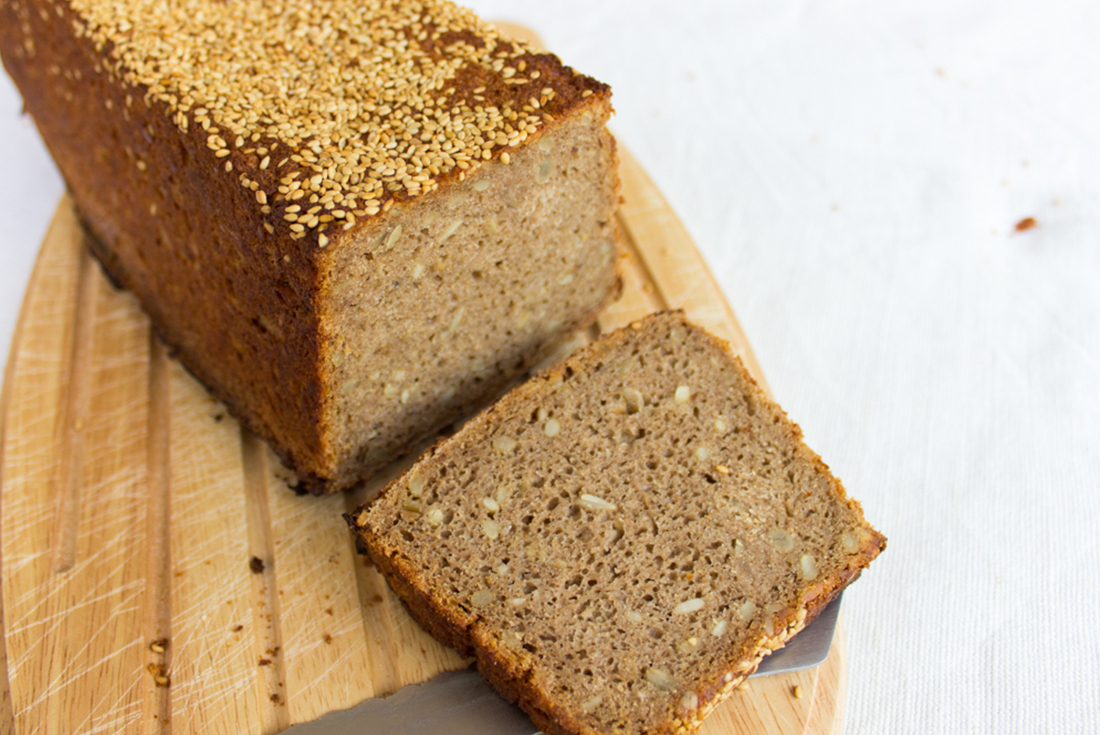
x=461, y=703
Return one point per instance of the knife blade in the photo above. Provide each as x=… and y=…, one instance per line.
x=462, y=703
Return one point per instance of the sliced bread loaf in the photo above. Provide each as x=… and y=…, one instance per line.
x=622, y=539
x=354, y=222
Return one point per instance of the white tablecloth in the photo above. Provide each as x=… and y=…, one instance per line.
x=853, y=172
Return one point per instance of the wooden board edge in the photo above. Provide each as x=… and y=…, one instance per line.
x=63, y=209
x=678, y=294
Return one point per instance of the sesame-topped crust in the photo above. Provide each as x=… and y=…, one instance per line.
x=336, y=110
x=285, y=259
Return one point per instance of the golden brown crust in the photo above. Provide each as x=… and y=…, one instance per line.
x=447, y=71
x=112, y=148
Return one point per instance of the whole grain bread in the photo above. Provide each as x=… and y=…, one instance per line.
x=354, y=220
x=620, y=540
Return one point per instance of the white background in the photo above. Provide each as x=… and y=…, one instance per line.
x=853, y=172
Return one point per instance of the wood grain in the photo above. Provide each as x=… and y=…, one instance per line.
x=75, y=525
x=213, y=661
x=327, y=661
x=159, y=575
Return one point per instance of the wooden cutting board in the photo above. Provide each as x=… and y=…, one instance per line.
x=159, y=576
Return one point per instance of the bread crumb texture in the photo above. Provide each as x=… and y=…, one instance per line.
x=622, y=539
x=334, y=110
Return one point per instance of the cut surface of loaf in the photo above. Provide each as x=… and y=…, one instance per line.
x=355, y=222
x=620, y=540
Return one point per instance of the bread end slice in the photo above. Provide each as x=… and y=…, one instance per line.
x=622, y=539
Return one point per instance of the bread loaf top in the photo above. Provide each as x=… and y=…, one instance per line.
x=332, y=111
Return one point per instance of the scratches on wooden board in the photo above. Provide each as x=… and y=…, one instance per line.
x=157, y=702
x=72, y=420
x=266, y=622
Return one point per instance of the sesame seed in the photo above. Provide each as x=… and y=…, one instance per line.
x=377, y=119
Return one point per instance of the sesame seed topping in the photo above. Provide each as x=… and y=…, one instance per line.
x=369, y=101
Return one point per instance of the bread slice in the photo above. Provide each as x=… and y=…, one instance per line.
x=621, y=540
x=354, y=221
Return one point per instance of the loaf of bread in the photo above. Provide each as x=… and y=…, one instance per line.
x=355, y=221
x=622, y=539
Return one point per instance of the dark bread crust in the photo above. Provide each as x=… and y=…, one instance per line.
x=200, y=266
x=238, y=300
x=460, y=628
x=453, y=627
